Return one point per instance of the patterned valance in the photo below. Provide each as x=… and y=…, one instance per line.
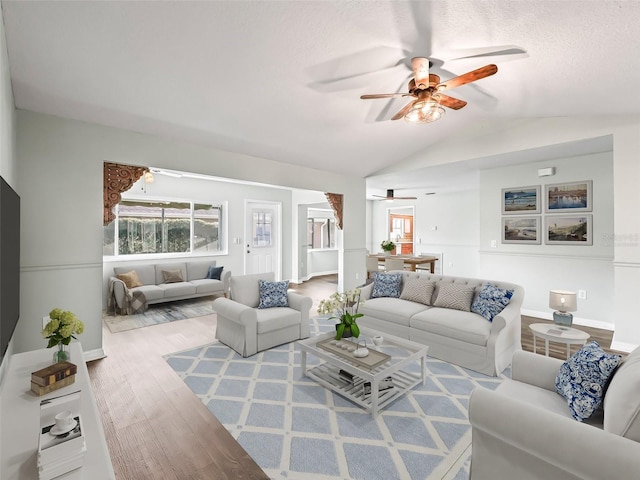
x=117, y=179
x=335, y=200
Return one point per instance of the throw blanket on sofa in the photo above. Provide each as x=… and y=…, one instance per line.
x=134, y=301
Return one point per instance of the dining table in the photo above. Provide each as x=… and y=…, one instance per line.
x=412, y=261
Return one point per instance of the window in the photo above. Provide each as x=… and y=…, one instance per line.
x=321, y=232
x=157, y=227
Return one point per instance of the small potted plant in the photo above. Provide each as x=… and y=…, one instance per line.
x=61, y=328
x=343, y=306
x=387, y=246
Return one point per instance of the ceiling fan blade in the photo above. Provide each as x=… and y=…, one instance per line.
x=403, y=111
x=468, y=77
x=447, y=101
x=511, y=51
x=420, y=67
x=384, y=95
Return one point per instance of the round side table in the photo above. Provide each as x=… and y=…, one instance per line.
x=554, y=333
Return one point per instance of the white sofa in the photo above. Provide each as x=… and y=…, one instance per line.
x=248, y=329
x=525, y=430
x=463, y=338
x=156, y=290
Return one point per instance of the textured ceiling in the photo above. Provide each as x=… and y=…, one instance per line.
x=260, y=77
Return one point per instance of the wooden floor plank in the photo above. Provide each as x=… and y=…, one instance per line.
x=157, y=428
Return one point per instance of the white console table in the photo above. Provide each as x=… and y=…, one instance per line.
x=21, y=419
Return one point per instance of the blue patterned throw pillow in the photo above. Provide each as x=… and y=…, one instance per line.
x=386, y=285
x=491, y=301
x=582, y=378
x=273, y=294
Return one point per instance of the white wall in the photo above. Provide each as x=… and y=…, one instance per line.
x=7, y=116
x=60, y=175
x=540, y=268
x=455, y=218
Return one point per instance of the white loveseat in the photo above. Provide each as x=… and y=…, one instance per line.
x=460, y=337
x=525, y=430
x=156, y=290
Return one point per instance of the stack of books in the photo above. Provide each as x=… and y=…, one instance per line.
x=53, y=377
x=60, y=449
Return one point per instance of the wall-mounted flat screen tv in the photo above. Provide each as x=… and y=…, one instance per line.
x=9, y=264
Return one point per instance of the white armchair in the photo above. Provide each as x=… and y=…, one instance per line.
x=524, y=429
x=248, y=329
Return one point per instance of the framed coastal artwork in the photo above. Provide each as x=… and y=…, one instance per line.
x=569, y=197
x=522, y=230
x=521, y=200
x=569, y=229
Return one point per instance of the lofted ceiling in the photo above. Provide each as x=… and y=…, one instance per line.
x=282, y=79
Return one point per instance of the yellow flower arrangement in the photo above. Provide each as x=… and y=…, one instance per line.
x=62, y=327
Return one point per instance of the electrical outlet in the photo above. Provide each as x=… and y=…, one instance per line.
x=582, y=294
x=357, y=276
x=494, y=243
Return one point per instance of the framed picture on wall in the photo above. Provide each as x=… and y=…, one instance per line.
x=522, y=230
x=521, y=200
x=569, y=197
x=569, y=229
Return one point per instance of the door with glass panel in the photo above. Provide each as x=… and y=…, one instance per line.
x=262, y=238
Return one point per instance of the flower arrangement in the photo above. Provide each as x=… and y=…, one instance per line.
x=387, y=245
x=343, y=306
x=61, y=328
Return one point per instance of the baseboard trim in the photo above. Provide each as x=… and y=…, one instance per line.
x=91, y=355
x=623, y=347
x=585, y=322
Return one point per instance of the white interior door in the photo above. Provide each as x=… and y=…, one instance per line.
x=262, y=238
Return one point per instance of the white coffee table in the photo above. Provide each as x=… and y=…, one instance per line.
x=554, y=333
x=402, y=353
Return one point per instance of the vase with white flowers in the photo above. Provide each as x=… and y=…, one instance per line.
x=63, y=325
x=387, y=246
x=343, y=306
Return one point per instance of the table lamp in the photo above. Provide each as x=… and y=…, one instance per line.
x=563, y=302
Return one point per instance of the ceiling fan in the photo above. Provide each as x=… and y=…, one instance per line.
x=427, y=91
x=390, y=196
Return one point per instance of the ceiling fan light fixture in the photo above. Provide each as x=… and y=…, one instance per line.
x=425, y=111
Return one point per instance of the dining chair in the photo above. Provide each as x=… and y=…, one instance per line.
x=393, y=264
x=373, y=266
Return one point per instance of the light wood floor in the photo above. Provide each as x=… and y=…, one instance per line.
x=156, y=428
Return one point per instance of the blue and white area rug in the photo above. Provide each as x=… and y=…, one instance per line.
x=296, y=429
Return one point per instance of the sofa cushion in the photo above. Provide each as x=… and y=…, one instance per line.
x=130, y=279
x=245, y=288
x=386, y=285
x=622, y=401
x=160, y=267
x=208, y=286
x=418, y=290
x=151, y=292
x=146, y=273
x=273, y=294
x=491, y=300
x=454, y=295
x=582, y=378
x=467, y=327
x=270, y=319
x=172, y=276
x=214, y=272
x=177, y=289
x=197, y=270
x=394, y=310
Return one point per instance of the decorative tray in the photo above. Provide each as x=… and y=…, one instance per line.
x=374, y=359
